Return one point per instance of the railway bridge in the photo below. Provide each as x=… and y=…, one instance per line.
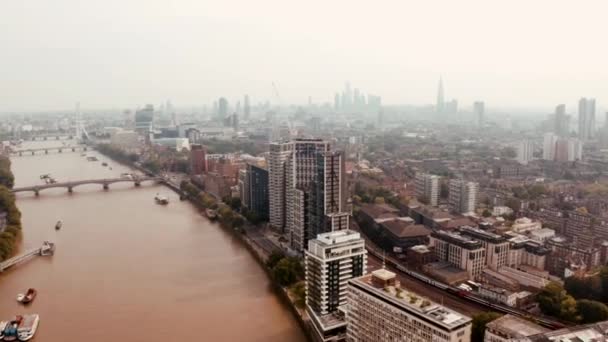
x=105, y=183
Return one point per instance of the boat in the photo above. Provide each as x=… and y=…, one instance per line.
x=92, y=159
x=28, y=297
x=211, y=214
x=104, y=164
x=10, y=332
x=45, y=176
x=28, y=327
x=3, y=325
x=58, y=225
x=160, y=199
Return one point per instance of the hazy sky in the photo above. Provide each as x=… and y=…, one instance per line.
x=124, y=53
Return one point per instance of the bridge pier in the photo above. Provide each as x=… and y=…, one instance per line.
x=36, y=192
x=44, y=138
x=20, y=154
x=33, y=152
x=106, y=186
x=70, y=189
x=85, y=148
x=57, y=138
x=60, y=151
x=46, y=151
x=73, y=149
x=137, y=183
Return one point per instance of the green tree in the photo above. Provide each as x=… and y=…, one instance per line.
x=299, y=293
x=584, y=287
x=274, y=258
x=285, y=272
x=592, y=311
x=553, y=300
x=479, y=324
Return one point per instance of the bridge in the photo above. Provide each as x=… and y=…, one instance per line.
x=46, y=150
x=48, y=248
x=105, y=183
x=56, y=136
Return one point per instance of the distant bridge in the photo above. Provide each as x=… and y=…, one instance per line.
x=105, y=183
x=55, y=136
x=46, y=150
x=48, y=248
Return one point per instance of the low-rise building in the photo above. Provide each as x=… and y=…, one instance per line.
x=580, y=333
x=508, y=328
x=461, y=251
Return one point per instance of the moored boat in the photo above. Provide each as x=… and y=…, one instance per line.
x=58, y=225
x=28, y=297
x=28, y=326
x=10, y=332
x=211, y=214
x=3, y=325
x=104, y=164
x=160, y=199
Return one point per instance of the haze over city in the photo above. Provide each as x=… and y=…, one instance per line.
x=129, y=53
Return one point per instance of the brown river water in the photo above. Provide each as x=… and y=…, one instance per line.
x=127, y=269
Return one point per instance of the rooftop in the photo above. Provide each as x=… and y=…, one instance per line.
x=383, y=283
x=582, y=333
x=515, y=327
x=405, y=229
x=338, y=236
x=482, y=234
x=457, y=239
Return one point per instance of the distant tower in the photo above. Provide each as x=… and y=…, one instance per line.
x=586, y=119
x=440, y=97
x=222, y=109
x=479, y=110
x=561, y=122
x=246, y=108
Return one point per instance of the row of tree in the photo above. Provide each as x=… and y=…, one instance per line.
x=12, y=231
x=286, y=270
x=555, y=301
x=117, y=153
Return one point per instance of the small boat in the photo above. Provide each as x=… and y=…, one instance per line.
x=10, y=332
x=160, y=199
x=28, y=327
x=28, y=297
x=104, y=164
x=58, y=225
x=92, y=159
x=45, y=176
x=3, y=325
x=211, y=214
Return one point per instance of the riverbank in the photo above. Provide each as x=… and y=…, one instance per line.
x=10, y=216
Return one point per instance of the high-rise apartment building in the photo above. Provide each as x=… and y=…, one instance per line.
x=331, y=260
x=568, y=149
x=463, y=196
x=479, y=109
x=278, y=157
x=549, y=146
x=427, y=188
x=525, y=151
x=586, y=119
x=381, y=310
x=257, y=188
x=460, y=251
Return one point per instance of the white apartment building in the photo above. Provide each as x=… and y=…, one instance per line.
x=381, y=310
x=463, y=196
x=278, y=157
x=525, y=151
x=331, y=260
x=427, y=186
x=496, y=246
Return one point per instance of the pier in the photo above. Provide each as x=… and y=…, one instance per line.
x=47, y=248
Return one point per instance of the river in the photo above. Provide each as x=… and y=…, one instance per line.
x=128, y=269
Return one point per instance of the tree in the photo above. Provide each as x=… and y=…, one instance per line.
x=592, y=311
x=584, y=287
x=287, y=271
x=479, y=324
x=274, y=258
x=553, y=300
x=299, y=293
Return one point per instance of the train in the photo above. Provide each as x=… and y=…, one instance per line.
x=466, y=295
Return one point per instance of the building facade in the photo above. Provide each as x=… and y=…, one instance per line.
x=427, y=187
x=460, y=251
x=463, y=196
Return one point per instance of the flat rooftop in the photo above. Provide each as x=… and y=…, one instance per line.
x=409, y=301
x=583, y=333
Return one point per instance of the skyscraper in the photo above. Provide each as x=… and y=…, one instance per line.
x=561, y=123
x=379, y=309
x=440, y=98
x=479, y=109
x=331, y=260
x=246, y=108
x=222, y=110
x=144, y=119
x=256, y=188
x=463, y=196
x=278, y=157
x=586, y=119
x=427, y=188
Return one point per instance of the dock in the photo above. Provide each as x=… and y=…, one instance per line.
x=47, y=248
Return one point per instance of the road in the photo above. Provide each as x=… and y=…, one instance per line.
x=433, y=293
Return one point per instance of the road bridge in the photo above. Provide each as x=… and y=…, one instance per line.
x=46, y=150
x=105, y=183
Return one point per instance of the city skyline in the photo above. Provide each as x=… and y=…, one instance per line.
x=194, y=53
